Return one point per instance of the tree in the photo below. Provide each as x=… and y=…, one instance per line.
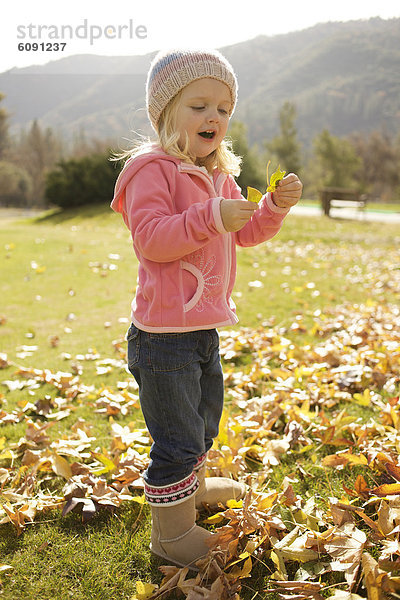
x=252, y=170
x=81, y=145
x=40, y=150
x=15, y=185
x=336, y=160
x=379, y=171
x=3, y=128
x=285, y=147
x=76, y=182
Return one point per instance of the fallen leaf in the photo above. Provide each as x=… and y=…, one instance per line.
x=386, y=489
x=143, y=590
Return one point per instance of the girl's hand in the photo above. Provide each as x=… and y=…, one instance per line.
x=236, y=213
x=288, y=191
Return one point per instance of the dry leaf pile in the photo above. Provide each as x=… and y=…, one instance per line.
x=288, y=405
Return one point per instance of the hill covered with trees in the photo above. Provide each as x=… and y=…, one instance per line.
x=339, y=76
x=323, y=102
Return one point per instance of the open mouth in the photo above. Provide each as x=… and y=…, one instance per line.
x=208, y=135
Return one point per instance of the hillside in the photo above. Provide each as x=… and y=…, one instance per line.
x=339, y=75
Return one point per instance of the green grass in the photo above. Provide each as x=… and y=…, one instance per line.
x=56, y=282
x=57, y=277
x=63, y=559
x=70, y=295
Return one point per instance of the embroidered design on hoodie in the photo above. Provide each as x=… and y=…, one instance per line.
x=211, y=282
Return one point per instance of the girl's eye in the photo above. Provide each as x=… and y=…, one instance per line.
x=198, y=107
x=223, y=111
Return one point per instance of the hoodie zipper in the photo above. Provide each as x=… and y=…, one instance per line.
x=188, y=168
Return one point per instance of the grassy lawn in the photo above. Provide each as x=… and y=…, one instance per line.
x=323, y=292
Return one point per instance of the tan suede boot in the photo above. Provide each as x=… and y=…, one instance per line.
x=214, y=490
x=175, y=535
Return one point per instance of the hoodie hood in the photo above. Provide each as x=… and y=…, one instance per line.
x=130, y=169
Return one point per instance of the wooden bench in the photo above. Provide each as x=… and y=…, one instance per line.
x=332, y=197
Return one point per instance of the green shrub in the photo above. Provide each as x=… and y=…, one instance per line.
x=76, y=182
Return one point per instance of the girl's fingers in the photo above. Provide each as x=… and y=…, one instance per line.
x=288, y=185
x=289, y=194
x=290, y=190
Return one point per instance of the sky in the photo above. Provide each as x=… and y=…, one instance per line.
x=127, y=27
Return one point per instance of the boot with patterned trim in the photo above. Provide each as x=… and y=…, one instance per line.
x=175, y=535
x=215, y=490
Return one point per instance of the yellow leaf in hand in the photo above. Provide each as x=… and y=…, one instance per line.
x=275, y=177
x=253, y=195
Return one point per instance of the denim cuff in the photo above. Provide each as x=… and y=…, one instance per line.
x=169, y=495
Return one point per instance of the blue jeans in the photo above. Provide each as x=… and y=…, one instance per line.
x=181, y=394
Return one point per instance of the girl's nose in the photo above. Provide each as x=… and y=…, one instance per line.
x=213, y=115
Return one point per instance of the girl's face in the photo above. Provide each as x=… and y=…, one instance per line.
x=203, y=114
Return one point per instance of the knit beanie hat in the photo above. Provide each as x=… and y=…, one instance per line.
x=173, y=70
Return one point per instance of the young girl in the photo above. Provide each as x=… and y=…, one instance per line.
x=186, y=214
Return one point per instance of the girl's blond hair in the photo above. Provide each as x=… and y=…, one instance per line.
x=223, y=158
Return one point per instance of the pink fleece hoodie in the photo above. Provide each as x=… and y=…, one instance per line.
x=187, y=260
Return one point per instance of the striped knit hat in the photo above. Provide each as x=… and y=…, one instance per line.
x=171, y=71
